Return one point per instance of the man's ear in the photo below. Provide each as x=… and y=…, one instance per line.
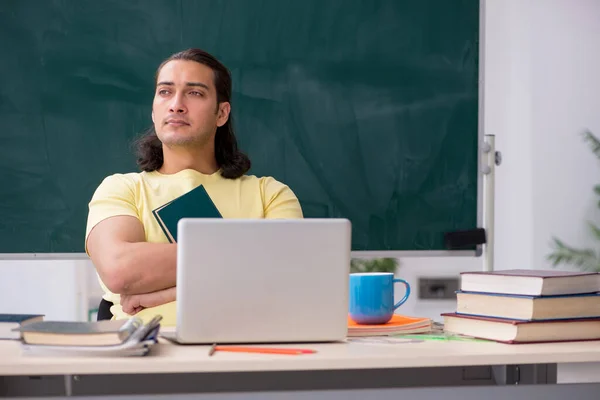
x=223, y=113
x=152, y=116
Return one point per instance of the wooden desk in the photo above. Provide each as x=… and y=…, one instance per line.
x=172, y=369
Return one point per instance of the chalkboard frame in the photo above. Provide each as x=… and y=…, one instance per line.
x=476, y=252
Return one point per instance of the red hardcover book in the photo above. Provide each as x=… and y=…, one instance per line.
x=516, y=331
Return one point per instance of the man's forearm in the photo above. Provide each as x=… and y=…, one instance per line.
x=147, y=267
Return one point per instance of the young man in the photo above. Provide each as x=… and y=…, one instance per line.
x=192, y=143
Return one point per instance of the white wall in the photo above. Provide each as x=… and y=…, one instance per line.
x=565, y=83
x=507, y=115
x=542, y=89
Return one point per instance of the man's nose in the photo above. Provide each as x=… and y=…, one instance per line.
x=177, y=106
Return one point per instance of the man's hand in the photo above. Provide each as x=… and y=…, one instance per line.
x=134, y=303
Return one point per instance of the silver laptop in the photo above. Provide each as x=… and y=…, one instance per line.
x=262, y=281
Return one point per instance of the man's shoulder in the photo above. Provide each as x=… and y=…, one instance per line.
x=261, y=181
x=258, y=179
x=123, y=183
x=127, y=178
x=268, y=186
x=279, y=201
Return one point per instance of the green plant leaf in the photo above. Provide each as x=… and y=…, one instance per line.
x=583, y=258
x=373, y=265
x=595, y=230
x=592, y=141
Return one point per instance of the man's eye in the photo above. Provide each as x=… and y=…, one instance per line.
x=163, y=92
x=196, y=93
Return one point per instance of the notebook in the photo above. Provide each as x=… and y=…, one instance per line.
x=129, y=348
x=194, y=204
x=399, y=324
x=8, y=322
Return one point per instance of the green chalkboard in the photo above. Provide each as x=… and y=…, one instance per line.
x=367, y=109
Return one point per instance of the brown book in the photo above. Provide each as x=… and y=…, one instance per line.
x=531, y=282
x=514, y=331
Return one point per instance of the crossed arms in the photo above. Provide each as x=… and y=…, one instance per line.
x=143, y=273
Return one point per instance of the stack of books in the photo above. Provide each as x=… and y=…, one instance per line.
x=129, y=337
x=527, y=306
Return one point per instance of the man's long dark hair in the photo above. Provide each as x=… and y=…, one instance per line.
x=230, y=160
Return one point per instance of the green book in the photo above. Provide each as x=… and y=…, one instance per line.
x=194, y=204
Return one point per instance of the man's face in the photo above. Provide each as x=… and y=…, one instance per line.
x=185, y=111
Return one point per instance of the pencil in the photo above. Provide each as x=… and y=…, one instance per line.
x=263, y=350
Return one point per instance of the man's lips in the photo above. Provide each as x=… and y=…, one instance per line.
x=176, y=122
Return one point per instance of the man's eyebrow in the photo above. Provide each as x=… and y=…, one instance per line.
x=197, y=84
x=194, y=84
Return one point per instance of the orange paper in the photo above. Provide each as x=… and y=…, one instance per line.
x=397, y=320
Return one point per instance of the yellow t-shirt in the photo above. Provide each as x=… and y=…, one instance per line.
x=137, y=194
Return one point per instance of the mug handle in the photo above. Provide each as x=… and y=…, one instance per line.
x=406, y=294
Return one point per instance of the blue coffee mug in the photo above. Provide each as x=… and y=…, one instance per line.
x=371, y=297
